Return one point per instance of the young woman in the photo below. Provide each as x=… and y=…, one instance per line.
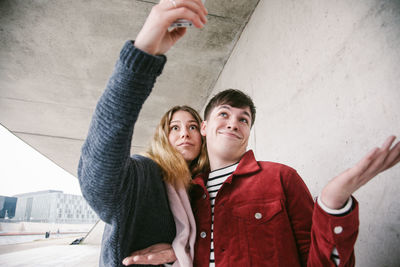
x=143, y=199
x=140, y=196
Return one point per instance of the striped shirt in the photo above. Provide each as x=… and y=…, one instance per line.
x=215, y=180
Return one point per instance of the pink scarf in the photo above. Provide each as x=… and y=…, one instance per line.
x=183, y=243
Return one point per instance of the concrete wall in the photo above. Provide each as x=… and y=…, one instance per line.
x=325, y=77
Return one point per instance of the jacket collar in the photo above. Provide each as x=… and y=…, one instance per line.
x=247, y=165
x=201, y=179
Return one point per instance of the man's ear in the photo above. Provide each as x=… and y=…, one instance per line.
x=203, y=128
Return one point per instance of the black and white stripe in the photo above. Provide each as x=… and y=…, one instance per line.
x=335, y=257
x=215, y=180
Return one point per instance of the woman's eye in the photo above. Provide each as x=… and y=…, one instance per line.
x=174, y=128
x=193, y=127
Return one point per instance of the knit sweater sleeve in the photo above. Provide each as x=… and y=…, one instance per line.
x=105, y=162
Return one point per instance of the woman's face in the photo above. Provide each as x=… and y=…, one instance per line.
x=184, y=135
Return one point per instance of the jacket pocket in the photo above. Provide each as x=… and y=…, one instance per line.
x=257, y=213
x=257, y=225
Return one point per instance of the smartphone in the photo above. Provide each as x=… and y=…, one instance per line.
x=183, y=22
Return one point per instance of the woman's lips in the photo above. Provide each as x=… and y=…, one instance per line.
x=185, y=144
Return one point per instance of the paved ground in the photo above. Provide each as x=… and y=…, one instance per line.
x=53, y=252
x=36, y=244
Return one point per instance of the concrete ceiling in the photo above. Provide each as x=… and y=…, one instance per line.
x=56, y=57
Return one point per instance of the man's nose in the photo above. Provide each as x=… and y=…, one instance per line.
x=232, y=124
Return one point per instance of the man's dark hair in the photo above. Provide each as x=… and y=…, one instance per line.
x=231, y=97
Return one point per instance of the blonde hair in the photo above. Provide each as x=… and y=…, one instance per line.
x=175, y=169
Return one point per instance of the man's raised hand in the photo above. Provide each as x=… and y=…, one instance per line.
x=335, y=194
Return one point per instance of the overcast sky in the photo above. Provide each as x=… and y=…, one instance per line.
x=23, y=169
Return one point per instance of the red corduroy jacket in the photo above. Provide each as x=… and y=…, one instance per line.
x=264, y=215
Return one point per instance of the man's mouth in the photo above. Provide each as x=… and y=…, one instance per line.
x=230, y=134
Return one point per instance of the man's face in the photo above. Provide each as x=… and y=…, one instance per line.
x=227, y=131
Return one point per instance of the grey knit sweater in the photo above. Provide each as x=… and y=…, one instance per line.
x=128, y=193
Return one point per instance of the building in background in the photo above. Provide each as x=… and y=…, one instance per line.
x=7, y=207
x=53, y=206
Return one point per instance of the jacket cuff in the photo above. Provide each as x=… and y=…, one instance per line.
x=337, y=226
x=339, y=231
x=337, y=212
x=139, y=61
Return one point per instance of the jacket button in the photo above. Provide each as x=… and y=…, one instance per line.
x=258, y=215
x=338, y=229
x=203, y=234
x=204, y=196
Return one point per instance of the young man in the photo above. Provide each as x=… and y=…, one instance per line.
x=251, y=213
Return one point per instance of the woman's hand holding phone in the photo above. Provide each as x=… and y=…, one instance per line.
x=155, y=37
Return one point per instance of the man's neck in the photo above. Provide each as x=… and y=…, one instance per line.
x=219, y=163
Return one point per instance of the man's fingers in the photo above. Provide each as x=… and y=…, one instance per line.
x=395, y=162
x=388, y=142
x=379, y=159
x=384, y=157
x=393, y=157
x=364, y=164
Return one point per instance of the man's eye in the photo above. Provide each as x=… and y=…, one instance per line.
x=245, y=121
x=223, y=114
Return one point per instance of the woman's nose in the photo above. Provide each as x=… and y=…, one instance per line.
x=184, y=133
